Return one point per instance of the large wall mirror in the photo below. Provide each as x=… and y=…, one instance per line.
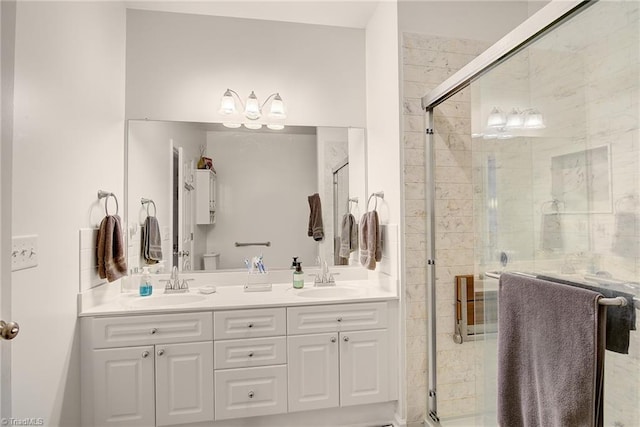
x=256, y=201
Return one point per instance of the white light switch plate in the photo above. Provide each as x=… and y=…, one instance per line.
x=24, y=252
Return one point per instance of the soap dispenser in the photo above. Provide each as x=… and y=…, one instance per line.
x=293, y=264
x=298, y=276
x=146, y=287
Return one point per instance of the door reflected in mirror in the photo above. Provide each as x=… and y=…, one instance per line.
x=223, y=196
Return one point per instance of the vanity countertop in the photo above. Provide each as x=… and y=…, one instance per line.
x=234, y=297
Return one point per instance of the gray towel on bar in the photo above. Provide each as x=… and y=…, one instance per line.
x=550, y=354
x=316, y=228
x=112, y=264
x=620, y=320
x=151, y=241
x=370, y=242
x=348, y=236
x=625, y=237
x=551, y=231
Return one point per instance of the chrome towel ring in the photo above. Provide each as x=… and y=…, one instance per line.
x=149, y=202
x=379, y=194
x=106, y=194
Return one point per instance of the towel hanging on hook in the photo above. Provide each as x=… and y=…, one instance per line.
x=112, y=264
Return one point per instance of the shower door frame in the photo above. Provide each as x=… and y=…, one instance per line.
x=553, y=14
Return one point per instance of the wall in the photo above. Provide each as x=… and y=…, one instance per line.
x=150, y=175
x=252, y=205
x=178, y=67
x=69, y=127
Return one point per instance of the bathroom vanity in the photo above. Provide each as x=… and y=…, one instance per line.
x=234, y=354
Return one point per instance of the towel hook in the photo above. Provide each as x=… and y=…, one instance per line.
x=102, y=194
x=379, y=194
x=149, y=202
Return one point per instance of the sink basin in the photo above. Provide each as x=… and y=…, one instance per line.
x=166, y=300
x=330, y=292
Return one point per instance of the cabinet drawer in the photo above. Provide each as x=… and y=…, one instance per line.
x=155, y=329
x=336, y=318
x=264, y=322
x=249, y=392
x=250, y=352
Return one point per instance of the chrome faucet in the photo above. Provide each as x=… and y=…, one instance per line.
x=174, y=285
x=324, y=278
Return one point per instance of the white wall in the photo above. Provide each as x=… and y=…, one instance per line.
x=253, y=169
x=179, y=65
x=150, y=175
x=475, y=20
x=68, y=143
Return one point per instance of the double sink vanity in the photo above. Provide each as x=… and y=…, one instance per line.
x=171, y=359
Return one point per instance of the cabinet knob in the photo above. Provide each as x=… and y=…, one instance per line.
x=251, y=394
x=145, y=354
x=160, y=352
x=339, y=319
x=334, y=339
x=346, y=339
x=251, y=354
x=250, y=325
x=154, y=331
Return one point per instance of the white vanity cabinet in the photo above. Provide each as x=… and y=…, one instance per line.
x=339, y=358
x=250, y=362
x=205, y=205
x=168, y=381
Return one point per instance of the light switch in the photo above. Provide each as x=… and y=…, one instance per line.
x=24, y=252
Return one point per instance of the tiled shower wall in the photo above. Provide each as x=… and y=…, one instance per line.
x=427, y=62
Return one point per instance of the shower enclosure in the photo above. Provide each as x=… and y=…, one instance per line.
x=533, y=155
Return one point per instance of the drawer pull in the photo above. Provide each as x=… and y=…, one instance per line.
x=251, y=354
x=333, y=339
x=346, y=339
x=145, y=354
x=250, y=325
x=251, y=394
x=160, y=352
x=339, y=319
x=154, y=331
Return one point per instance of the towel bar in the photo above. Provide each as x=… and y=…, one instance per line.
x=238, y=244
x=617, y=301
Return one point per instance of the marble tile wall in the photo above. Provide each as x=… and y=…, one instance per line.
x=427, y=62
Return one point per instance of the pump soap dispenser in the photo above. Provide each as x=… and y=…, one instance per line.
x=298, y=277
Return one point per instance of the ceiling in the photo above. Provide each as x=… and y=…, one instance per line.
x=339, y=13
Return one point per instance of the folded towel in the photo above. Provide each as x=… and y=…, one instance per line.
x=370, y=243
x=620, y=320
x=550, y=354
x=625, y=237
x=112, y=264
x=551, y=231
x=151, y=241
x=316, y=229
x=348, y=236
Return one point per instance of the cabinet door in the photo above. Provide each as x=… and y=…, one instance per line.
x=313, y=372
x=184, y=383
x=123, y=387
x=364, y=367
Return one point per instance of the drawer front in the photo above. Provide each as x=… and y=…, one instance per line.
x=155, y=329
x=250, y=392
x=264, y=322
x=336, y=318
x=250, y=352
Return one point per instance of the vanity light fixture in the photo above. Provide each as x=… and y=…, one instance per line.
x=252, y=110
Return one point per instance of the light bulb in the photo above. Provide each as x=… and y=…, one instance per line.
x=252, y=109
x=227, y=103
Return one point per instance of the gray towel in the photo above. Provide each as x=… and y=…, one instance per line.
x=151, y=241
x=550, y=354
x=112, y=264
x=316, y=228
x=620, y=320
x=348, y=236
x=370, y=243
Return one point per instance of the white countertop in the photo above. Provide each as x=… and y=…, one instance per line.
x=234, y=297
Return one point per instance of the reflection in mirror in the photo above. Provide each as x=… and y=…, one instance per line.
x=225, y=195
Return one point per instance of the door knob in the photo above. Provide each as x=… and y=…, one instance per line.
x=8, y=330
